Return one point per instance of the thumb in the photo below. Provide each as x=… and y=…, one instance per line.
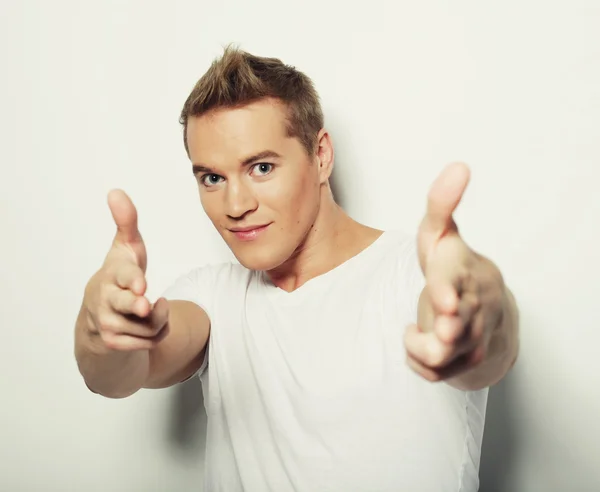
x=444, y=196
x=125, y=217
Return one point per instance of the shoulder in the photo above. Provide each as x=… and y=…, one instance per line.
x=403, y=246
x=409, y=278
x=204, y=284
x=396, y=255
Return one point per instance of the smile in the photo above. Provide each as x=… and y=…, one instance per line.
x=249, y=233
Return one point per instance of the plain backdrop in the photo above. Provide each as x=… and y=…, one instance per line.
x=90, y=94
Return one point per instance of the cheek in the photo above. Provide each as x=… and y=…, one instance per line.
x=294, y=196
x=209, y=204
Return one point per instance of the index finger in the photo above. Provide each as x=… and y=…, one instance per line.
x=130, y=276
x=444, y=279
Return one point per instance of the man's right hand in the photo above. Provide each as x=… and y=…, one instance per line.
x=119, y=314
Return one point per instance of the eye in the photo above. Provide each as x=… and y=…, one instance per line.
x=210, y=179
x=262, y=168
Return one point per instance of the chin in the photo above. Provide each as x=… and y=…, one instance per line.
x=261, y=258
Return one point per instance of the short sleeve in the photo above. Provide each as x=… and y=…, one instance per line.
x=411, y=280
x=196, y=286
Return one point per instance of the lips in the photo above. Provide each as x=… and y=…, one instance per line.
x=249, y=233
x=247, y=229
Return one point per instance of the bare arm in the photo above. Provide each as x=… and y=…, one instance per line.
x=182, y=351
x=111, y=373
x=122, y=342
x=118, y=374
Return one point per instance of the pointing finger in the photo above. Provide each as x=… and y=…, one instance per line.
x=126, y=302
x=130, y=276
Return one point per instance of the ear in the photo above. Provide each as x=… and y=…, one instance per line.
x=324, y=155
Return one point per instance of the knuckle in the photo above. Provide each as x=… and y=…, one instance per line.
x=479, y=355
x=464, y=274
x=121, y=275
x=476, y=335
x=438, y=355
x=476, y=332
x=126, y=269
x=474, y=302
x=110, y=341
x=107, y=324
x=105, y=327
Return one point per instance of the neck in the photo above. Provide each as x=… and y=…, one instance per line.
x=333, y=239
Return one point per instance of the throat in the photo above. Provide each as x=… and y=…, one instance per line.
x=323, y=256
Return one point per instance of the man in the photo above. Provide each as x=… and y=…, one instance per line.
x=315, y=375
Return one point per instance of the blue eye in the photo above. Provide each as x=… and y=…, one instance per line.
x=210, y=179
x=263, y=168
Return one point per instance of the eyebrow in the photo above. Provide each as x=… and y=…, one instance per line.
x=265, y=154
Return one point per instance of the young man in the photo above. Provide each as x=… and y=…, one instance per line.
x=315, y=375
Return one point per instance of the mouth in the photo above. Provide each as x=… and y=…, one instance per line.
x=248, y=233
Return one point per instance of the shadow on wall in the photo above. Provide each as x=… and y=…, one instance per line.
x=500, y=449
x=187, y=429
x=343, y=156
x=336, y=189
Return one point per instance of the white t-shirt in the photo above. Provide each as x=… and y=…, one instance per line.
x=309, y=391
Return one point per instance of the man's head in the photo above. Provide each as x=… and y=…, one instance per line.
x=253, y=129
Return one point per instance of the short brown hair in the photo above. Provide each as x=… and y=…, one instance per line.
x=239, y=78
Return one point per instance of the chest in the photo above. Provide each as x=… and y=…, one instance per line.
x=344, y=339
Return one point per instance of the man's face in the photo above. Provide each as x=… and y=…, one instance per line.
x=252, y=175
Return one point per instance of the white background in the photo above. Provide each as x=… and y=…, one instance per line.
x=90, y=94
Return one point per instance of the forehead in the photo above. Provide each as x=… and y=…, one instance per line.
x=230, y=134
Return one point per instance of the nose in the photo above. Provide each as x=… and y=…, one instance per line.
x=239, y=199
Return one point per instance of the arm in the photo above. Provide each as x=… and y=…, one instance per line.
x=182, y=351
x=107, y=372
x=118, y=374
x=122, y=342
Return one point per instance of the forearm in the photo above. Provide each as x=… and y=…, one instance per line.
x=501, y=354
x=114, y=374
